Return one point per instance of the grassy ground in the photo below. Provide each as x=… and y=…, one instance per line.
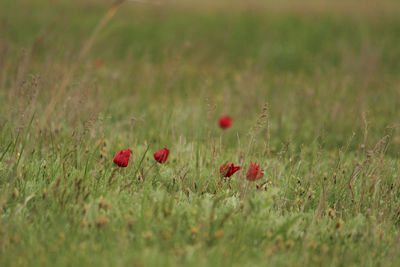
x=315, y=94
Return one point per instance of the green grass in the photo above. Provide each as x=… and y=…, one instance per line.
x=315, y=96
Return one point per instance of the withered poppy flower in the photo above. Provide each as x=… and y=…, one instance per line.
x=254, y=173
x=228, y=169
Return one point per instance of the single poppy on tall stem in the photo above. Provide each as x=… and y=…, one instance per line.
x=160, y=156
x=121, y=159
x=225, y=122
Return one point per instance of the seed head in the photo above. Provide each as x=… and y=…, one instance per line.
x=102, y=221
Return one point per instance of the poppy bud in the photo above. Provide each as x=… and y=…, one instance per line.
x=161, y=156
x=254, y=173
x=122, y=157
x=225, y=122
x=228, y=169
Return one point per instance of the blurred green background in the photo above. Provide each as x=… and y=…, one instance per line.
x=325, y=71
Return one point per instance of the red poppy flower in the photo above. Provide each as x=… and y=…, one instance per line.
x=225, y=122
x=254, y=173
x=228, y=169
x=122, y=157
x=162, y=155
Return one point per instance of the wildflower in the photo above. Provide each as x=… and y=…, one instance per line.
x=101, y=221
x=104, y=205
x=279, y=242
x=122, y=157
x=131, y=222
x=84, y=224
x=254, y=173
x=268, y=234
x=15, y=193
x=289, y=243
x=339, y=224
x=228, y=169
x=161, y=156
x=218, y=234
x=61, y=237
x=225, y=122
x=166, y=235
x=262, y=186
x=85, y=209
x=194, y=230
x=331, y=213
x=147, y=235
x=324, y=248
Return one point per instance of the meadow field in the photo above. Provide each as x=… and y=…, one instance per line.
x=313, y=89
